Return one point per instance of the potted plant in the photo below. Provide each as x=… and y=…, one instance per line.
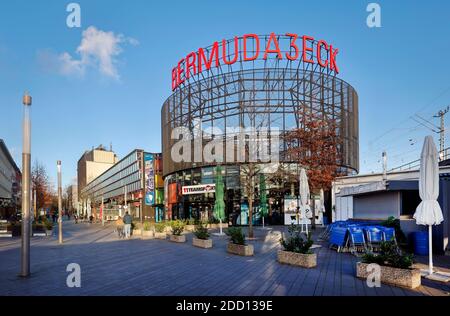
x=135, y=229
x=147, y=231
x=48, y=227
x=296, y=250
x=177, y=230
x=160, y=230
x=38, y=229
x=191, y=225
x=237, y=244
x=201, y=238
x=396, y=267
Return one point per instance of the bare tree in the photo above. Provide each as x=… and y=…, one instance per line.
x=314, y=145
x=40, y=182
x=249, y=174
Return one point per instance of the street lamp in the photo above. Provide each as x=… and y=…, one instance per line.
x=60, y=237
x=26, y=196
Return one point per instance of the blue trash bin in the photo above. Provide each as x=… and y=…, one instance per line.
x=420, y=243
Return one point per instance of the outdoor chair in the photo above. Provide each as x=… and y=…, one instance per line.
x=374, y=237
x=338, y=238
x=329, y=228
x=357, y=241
x=389, y=234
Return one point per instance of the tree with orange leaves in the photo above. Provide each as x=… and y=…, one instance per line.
x=314, y=145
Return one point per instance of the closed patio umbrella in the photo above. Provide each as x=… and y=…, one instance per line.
x=429, y=211
x=304, y=199
x=322, y=205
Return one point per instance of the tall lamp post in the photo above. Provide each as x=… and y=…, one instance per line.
x=26, y=194
x=60, y=237
x=34, y=205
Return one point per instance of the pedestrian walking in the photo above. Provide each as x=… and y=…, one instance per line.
x=119, y=227
x=127, y=220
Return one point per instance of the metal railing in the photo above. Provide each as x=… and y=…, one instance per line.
x=415, y=164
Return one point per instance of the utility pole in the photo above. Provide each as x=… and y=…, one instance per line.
x=436, y=129
x=60, y=237
x=26, y=179
x=441, y=115
x=384, y=156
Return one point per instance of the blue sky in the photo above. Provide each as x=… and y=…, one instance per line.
x=398, y=70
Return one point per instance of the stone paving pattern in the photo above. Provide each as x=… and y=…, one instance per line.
x=159, y=267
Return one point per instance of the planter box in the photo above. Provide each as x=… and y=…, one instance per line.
x=136, y=232
x=175, y=238
x=297, y=259
x=241, y=250
x=147, y=234
x=217, y=226
x=202, y=243
x=407, y=278
x=160, y=235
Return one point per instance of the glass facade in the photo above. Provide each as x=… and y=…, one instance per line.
x=201, y=206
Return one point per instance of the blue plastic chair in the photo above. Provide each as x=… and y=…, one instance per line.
x=389, y=234
x=357, y=239
x=374, y=236
x=338, y=238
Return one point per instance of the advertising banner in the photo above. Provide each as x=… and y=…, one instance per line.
x=149, y=179
x=198, y=189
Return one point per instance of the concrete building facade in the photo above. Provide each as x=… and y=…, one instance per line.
x=10, y=183
x=133, y=184
x=72, y=198
x=93, y=163
x=377, y=197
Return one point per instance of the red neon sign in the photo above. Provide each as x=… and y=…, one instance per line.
x=304, y=48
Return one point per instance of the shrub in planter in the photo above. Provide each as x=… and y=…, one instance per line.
x=160, y=230
x=201, y=237
x=389, y=255
x=177, y=227
x=396, y=267
x=237, y=244
x=296, y=250
x=48, y=227
x=147, y=230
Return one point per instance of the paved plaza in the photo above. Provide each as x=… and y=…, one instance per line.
x=156, y=267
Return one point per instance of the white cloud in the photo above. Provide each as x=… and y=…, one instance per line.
x=98, y=50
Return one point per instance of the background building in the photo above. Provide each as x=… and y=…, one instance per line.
x=376, y=197
x=10, y=183
x=265, y=93
x=93, y=163
x=72, y=198
x=134, y=181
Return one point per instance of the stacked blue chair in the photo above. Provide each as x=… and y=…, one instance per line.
x=389, y=234
x=338, y=237
x=357, y=241
x=374, y=237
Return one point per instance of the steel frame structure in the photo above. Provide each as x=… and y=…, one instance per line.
x=270, y=93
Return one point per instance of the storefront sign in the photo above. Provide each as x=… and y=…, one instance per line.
x=149, y=179
x=250, y=47
x=198, y=189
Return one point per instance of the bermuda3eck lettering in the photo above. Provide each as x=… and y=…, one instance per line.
x=251, y=47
